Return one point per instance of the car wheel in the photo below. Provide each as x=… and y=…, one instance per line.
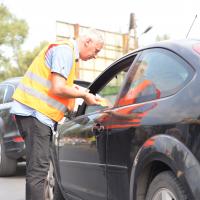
x=52, y=191
x=8, y=166
x=165, y=186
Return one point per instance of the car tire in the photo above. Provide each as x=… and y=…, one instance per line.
x=165, y=186
x=52, y=191
x=8, y=166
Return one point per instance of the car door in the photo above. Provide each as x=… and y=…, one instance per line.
x=156, y=75
x=81, y=163
x=83, y=140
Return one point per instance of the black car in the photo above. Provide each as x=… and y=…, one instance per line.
x=144, y=142
x=12, y=146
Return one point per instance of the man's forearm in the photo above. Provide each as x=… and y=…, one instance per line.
x=69, y=92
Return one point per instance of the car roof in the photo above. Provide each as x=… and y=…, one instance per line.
x=174, y=44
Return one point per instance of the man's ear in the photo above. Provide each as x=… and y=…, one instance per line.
x=87, y=42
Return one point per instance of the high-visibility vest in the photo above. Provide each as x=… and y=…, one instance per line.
x=34, y=88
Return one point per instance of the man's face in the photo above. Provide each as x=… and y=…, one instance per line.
x=90, y=49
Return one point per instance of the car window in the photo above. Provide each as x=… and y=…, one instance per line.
x=2, y=93
x=8, y=94
x=111, y=88
x=158, y=73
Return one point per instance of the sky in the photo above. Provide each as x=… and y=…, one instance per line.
x=171, y=17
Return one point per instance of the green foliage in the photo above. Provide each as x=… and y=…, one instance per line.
x=26, y=58
x=13, y=32
x=24, y=61
x=110, y=90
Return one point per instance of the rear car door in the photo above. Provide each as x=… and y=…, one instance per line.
x=151, y=81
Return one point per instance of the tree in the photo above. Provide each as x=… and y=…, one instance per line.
x=13, y=32
x=26, y=58
x=24, y=61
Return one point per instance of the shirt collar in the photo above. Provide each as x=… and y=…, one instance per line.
x=76, y=50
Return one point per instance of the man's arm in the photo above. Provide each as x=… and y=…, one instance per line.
x=59, y=88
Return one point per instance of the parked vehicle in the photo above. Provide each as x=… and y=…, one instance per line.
x=12, y=147
x=145, y=144
x=11, y=143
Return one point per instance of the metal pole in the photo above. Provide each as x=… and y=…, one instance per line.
x=191, y=26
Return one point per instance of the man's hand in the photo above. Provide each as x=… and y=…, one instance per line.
x=91, y=99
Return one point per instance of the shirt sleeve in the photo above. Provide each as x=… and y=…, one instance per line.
x=62, y=60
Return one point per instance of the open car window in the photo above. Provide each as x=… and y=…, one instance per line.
x=110, y=88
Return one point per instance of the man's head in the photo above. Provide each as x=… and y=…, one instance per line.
x=90, y=44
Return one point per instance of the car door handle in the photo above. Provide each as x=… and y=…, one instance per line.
x=97, y=128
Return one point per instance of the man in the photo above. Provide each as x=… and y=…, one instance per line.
x=45, y=93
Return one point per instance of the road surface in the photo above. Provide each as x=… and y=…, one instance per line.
x=13, y=188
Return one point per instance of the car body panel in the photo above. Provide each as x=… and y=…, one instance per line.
x=80, y=161
x=156, y=134
x=14, y=148
x=167, y=149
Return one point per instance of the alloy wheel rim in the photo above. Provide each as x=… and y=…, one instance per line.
x=164, y=194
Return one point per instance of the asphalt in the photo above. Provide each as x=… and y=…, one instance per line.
x=13, y=188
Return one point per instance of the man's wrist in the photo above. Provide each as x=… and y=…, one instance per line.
x=84, y=94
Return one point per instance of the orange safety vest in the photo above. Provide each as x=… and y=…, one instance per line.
x=34, y=88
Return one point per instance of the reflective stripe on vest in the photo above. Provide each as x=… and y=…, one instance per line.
x=38, y=79
x=42, y=97
x=34, y=88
